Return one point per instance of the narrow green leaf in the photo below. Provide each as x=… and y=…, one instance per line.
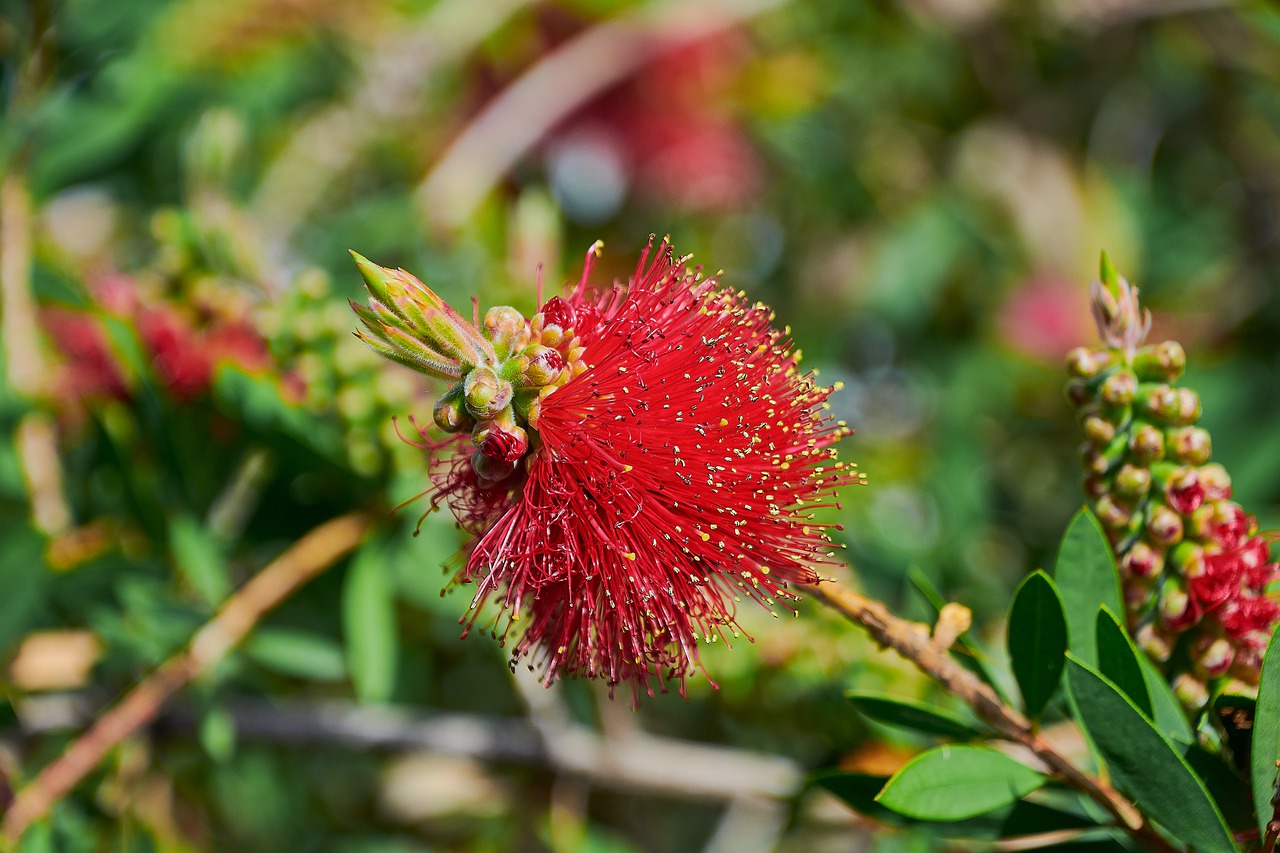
x=913, y=715
x=1266, y=735
x=199, y=559
x=300, y=654
x=369, y=625
x=217, y=734
x=958, y=782
x=1037, y=640
x=24, y=581
x=1119, y=661
x=1143, y=763
x=1086, y=575
x=1227, y=787
x=1169, y=717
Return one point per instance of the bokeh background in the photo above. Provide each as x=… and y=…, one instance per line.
x=919, y=188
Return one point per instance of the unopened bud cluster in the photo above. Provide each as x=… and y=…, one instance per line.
x=1193, y=568
x=501, y=371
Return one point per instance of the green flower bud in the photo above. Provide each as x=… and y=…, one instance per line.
x=1160, y=401
x=1191, y=692
x=1177, y=611
x=1085, y=363
x=1156, y=643
x=1132, y=481
x=1147, y=444
x=506, y=329
x=1188, y=557
x=1188, y=406
x=1188, y=444
x=543, y=365
x=485, y=393
x=1162, y=362
x=1099, y=431
x=1164, y=526
x=1118, y=389
x=450, y=411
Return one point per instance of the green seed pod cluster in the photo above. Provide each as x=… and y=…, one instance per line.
x=1193, y=568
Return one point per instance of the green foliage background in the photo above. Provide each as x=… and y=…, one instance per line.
x=918, y=188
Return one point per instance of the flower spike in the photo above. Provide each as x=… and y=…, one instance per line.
x=1194, y=568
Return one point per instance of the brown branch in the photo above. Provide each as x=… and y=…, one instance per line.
x=27, y=373
x=932, y=658
x=310, y=555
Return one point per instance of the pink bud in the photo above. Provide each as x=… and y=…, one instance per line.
x=1164, y=526
x=1213, y=656
x=1184, y=492
x=1142, y=561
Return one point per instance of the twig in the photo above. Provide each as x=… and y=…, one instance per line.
x=27, y=373
x=513, y=122
x=932, y=658
x=307, y=557
x=637, y=761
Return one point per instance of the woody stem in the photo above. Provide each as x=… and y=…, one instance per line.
x=931, y=657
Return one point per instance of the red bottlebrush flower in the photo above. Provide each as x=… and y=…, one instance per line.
x=1218, y=580
x=1248, y=613
x=180, y=362
x=1228, y=525
x=91, y=370
x=676, y=471
x=184, y=356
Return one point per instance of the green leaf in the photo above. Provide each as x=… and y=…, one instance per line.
x=1169, y=718
x=1086, y=575
x=1143, y=763
x=217, y=734
x=913, y=715
x=369, y=624
x=1225, y=785
x=1119, y=661
x=958, y=782
x=24, y=581
x=300, y=654
x=859, y=790
x=1266, y=735
x=1037, y=640
x=258, y=402
x=199, y=559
